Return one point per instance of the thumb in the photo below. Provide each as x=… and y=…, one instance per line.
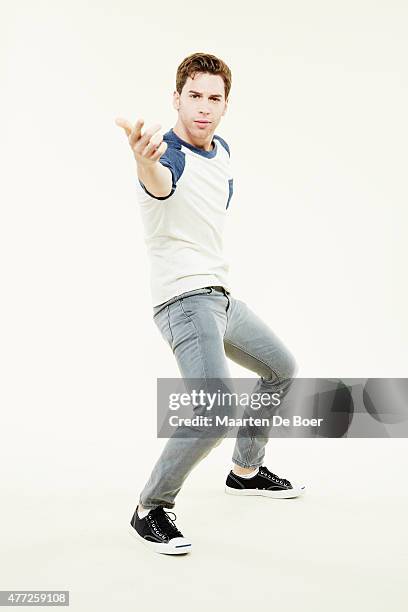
x=123, y=123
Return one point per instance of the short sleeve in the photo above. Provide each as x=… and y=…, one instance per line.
x=174, y=159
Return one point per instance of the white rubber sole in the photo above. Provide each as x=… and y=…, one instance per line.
x=284, y=494
x=176, y=546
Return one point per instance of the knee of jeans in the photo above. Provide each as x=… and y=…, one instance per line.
x=284, y=369
x=288, y=367
x=293, y=366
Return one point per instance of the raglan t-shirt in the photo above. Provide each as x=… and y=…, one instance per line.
x=183, y=231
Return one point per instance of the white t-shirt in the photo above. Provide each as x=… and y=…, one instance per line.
x=183, y=231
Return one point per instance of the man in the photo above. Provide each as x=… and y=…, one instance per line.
x=185, y=188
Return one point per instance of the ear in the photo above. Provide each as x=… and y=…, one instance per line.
x=176, y=100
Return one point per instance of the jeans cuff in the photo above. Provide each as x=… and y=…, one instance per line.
x=154, y=506
x=244, y=465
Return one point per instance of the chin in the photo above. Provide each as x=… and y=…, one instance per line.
x=202, y=131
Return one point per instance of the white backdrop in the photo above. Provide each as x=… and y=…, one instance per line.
x=316, y=231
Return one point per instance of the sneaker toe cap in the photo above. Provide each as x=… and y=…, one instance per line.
x=298, y=486
x=180, y=543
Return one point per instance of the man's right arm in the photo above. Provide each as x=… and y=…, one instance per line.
x=147, y=149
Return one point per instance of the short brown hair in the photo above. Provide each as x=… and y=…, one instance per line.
x=203, y=62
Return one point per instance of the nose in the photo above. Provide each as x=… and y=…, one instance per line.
x=204, y=110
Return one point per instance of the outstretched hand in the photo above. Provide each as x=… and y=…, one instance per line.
x=148, y=147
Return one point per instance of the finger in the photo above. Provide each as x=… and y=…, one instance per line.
x=157, y=138
x=144, y=140
x=136, y=132
x=126, y=125
x=153, y=144
x=162, y=149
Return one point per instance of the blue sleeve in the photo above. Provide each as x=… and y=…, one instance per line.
x=230, y=180
x=224, y=144
x=230, y=190
x=174, y=159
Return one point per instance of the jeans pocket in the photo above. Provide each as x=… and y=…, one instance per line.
x=182, y=296
x=203, y=291
x=158, y=309
x=191, y=302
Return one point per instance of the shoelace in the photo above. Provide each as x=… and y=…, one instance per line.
x=163, y=525
x=265, y=472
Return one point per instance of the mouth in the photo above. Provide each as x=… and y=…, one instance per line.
x=200, y=122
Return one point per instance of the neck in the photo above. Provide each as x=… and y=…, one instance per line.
x=206, y=144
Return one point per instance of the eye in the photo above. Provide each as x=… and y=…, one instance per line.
x=193, y=95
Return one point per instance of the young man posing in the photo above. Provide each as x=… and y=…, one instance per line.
x=184, y=189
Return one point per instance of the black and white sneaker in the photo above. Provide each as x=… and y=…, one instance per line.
x=263, y=483
x=159, y=532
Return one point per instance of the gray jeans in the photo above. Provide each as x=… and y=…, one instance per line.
x=203, y=327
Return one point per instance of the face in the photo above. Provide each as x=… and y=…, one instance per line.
x=201, y=105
